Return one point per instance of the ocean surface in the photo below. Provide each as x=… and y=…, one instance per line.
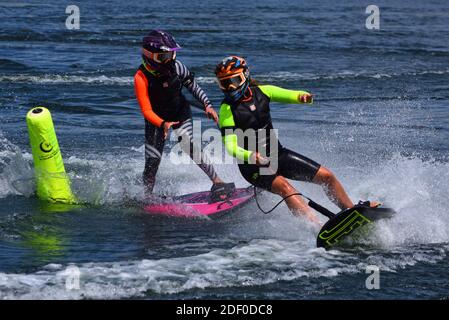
x=380, y=121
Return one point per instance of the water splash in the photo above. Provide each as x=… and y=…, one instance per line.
x=16, y=175
x=258, y=262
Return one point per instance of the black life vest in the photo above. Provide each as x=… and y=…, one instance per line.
x=255, y=114
x=165, y=92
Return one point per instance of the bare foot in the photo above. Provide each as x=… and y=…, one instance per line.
x=374, y=204
x=371, y=204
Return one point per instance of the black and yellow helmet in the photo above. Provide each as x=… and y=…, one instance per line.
x=233, y=77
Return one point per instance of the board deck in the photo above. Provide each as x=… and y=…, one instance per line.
x=198, y=204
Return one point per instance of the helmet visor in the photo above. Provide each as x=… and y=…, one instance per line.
x=159, y=57
x=163, y=57
x=232, y=82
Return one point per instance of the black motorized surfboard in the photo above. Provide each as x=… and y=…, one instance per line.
x=347, y=221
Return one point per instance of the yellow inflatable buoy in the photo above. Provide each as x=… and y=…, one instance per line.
x=52, y=182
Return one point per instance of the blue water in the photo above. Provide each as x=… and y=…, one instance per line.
x=380, y=122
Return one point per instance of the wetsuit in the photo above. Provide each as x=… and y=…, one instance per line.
x=160, y=98
x=254, y=113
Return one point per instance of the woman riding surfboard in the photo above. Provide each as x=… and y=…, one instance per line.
x=158, y=83
x=246, y=106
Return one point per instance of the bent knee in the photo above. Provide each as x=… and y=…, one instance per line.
x=282, y=187
x=324, y=175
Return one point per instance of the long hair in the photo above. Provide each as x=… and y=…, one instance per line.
x=254, y=82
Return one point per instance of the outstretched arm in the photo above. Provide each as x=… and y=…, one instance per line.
x=282, y=95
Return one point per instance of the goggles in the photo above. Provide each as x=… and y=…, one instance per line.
x=160, y=57
x=232, y=82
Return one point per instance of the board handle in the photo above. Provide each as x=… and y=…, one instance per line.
x=321, y=209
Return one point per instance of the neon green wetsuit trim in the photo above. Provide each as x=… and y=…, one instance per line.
x=282, y=95
x=227, y=122
x=230, y=140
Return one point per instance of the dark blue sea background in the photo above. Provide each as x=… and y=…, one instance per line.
x=380, y=121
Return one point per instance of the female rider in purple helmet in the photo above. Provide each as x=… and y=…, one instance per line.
x=158, y=83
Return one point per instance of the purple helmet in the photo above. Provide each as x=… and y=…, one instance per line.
x=159, y=47
x=160, y=41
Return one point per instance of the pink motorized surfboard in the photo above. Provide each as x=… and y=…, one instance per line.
x=198, y=204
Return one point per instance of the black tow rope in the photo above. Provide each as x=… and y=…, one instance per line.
x=311, y=203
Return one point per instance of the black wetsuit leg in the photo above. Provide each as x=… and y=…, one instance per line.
x=295, y=166
x=184, y=131
x=154, y=145
x=291, y=165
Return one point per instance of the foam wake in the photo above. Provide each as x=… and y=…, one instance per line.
x=258, y=262
x=266, y=78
